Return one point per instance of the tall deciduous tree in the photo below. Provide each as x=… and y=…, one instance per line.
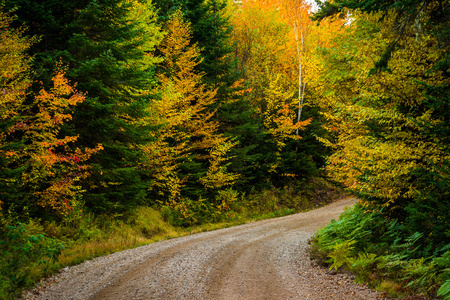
x=14, y=82
x=211, y=30
x=211, y=25
x=188, y=153
x=53, y=169
x=40, y=166
x=391, y=125
x=414, y=17
x=266, y=54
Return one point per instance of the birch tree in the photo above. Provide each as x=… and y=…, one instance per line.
x=296, y=11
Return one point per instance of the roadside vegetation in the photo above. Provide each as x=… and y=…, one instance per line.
x=34, y=250
x=384, y=254
x=392, y=146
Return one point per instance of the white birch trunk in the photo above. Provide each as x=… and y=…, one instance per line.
x=301, y=89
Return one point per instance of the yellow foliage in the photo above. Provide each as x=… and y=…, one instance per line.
x=378, y=144
x=276, y=48
x=183, y=118
x=13, y=80
x=217, y=176
x=52, y=170
x=285, y=128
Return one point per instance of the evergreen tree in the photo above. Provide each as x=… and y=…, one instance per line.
x=108, y=45
x=113, y=63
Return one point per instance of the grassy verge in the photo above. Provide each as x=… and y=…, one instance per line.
x=379, y=254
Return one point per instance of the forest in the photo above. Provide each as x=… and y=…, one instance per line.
x=123, y=121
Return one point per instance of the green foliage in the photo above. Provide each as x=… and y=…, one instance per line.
x=340, y=254
x=149, y=222
x=444, y=290
x=109, y=53
x=391, y=129
x=363, y=265
x=21, y=253
x=254, y=149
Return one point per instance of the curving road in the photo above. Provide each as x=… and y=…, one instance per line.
x=259, y=260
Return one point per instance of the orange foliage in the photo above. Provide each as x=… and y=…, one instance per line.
x=54, y=169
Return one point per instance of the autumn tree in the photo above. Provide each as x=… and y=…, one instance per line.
x=187, y=155
x=391, y=146
x=415, y=18
x=40, y=167
x=52, y=168
x=109, y=46
x=14, y=82
x=296, y=14
x=266, y=51
x=211, y=30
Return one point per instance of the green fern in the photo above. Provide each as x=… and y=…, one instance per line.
x=364, y=260
x=422, y=275
x=341, y=254
x=444, y=290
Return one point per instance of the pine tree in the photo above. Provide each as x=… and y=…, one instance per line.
x=113, y=63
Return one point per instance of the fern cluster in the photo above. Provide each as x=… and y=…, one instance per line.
x=378, y=251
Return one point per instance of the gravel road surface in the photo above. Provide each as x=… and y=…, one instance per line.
x=260, y=260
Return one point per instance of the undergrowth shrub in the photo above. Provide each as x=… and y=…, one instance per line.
x=340, y=254
x=23, y=257
x=186, y=212
x=225, y=200
x=148, y=221
x=384, y=253
x=444, y=291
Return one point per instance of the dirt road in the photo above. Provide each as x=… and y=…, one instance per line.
x=260, y=260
